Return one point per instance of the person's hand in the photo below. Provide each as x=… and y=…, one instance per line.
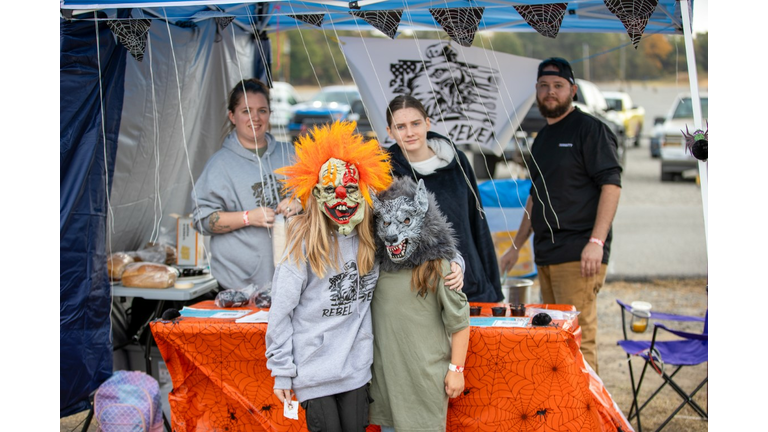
x=591, y=259
x=261, y=217
x=508, y=260
x=284, y=394
x=454, y=384
x=455, y=280
x=289, y=207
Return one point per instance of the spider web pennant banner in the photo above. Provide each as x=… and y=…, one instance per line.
x=312, y=19
x=545, y=18
x=386, y=21
x=132, y=34
x=459, y=23
x=634, y=14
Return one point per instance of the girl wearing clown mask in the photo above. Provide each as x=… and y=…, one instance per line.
x=319, y=336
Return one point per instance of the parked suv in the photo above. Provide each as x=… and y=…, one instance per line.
x=282, y=98
x=330, y=104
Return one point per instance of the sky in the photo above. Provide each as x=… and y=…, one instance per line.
x=700, y=16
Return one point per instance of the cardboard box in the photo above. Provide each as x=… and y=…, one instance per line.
x=525, y=266
x=189, y=244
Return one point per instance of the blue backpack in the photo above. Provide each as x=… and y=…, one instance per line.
x=129, y=401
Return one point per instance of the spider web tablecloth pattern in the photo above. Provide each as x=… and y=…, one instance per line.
x=522, y=379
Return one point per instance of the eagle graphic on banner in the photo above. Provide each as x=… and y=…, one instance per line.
x=451, y=90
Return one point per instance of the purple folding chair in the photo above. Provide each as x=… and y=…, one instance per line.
x=690, y=350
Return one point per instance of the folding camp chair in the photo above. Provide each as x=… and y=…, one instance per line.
x=690, y=350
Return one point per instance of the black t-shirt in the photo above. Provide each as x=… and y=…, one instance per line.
x=574, y=158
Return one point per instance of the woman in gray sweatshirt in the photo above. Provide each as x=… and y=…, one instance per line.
x=238, y=193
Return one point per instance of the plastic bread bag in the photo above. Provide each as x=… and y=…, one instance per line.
x=157, y=253
x=148, y=275
x=567, y=317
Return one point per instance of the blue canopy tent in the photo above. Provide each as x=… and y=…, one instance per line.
x=102, y=79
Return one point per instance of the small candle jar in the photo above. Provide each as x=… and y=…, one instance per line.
x=641, y=314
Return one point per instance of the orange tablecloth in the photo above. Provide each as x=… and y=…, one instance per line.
x=530, y=379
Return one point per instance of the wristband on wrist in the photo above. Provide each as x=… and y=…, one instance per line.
x=245, y=218
x=596, y=240
x=453, y=368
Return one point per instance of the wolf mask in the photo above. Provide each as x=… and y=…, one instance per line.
x=410, y=229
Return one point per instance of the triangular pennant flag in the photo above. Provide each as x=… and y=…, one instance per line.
x=132, y=34
x=544, y=18
x=223, y=22
x=386, y=21
x=459, y=23
x=313, y=19
x=634, y=14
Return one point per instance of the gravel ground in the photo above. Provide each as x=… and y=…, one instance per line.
x=685, y=296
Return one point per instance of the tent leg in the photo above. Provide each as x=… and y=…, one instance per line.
x=696, y=102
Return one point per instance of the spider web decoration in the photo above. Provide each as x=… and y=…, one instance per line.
x=132, y=34
x=459, y=23
x=634, y=14
x=385, y=21
x=312, y=19
x=545, y=18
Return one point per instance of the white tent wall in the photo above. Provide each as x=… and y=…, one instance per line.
x=174, y=118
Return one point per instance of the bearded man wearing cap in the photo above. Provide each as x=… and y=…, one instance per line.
x=576, y=184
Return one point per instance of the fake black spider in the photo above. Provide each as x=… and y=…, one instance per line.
x=543, y=413
x=267, y=408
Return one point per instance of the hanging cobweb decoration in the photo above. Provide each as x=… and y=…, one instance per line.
x=132, y=34
x=544, y=18
x=312, y=19
x=634, y=14
x=386, y=21
x=459, y=23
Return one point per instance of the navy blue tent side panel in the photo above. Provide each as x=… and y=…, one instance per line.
x=84, y=294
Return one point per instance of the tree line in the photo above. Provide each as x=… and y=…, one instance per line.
x=313, y=57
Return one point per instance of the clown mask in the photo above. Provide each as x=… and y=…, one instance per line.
x=339, y=196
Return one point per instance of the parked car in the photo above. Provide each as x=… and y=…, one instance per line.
x=668, y=134
x=632, y=116
x=328, y=105
x=282, y=98
x=358, y=114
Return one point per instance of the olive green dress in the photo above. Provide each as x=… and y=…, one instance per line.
x=412, y=351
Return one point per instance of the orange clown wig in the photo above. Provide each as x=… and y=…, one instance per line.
x=340, y=142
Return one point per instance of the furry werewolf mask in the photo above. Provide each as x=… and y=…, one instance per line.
x=410, y=229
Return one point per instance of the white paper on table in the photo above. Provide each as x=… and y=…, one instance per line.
x=513, y=322
x=256, y=317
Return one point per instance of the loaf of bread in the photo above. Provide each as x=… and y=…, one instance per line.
x=148, y=275
x=116, y=264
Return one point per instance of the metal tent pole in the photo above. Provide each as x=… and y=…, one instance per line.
x=696, y=101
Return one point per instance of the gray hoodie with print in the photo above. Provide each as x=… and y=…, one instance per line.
x=319, y=337
x=236, y=179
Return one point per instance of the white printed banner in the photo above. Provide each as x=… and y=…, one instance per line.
x=476, y=97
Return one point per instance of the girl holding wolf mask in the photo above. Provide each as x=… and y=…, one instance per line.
x=414, y=314
x=319, y=336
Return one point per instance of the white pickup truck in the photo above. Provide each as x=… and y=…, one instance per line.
x=668, y=136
